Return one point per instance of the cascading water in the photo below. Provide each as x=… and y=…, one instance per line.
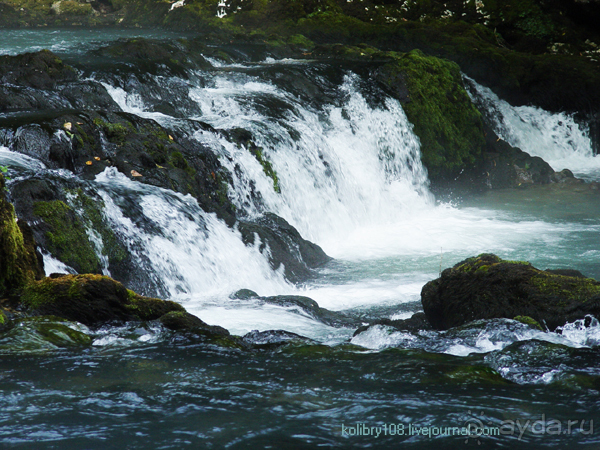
x=350, y=178
x=556, y=137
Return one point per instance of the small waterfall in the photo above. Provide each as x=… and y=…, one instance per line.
x=555, y=137
x=339, y=168
x=186, y=250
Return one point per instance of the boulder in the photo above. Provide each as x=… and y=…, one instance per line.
x=92, y=300
x=486, y=287
x=298, y=256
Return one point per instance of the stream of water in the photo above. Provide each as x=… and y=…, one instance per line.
x=351, y=180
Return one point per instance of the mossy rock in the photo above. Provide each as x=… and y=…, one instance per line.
x=40, y=70
x=486, y=287
x=447, y=123
x=66, y=237
x=529, y=321
x=19, y=263
x=92, y=300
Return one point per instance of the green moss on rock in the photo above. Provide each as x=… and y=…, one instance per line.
x=18, y=261
x=447, y=123
x=66, y=237
x=529, y=321
x=487, y=287
x=92, y=300
x=112, y=248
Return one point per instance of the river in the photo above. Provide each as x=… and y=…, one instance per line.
x=350, y=180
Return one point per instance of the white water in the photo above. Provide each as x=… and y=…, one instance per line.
x=556, y=137
x=351, y=180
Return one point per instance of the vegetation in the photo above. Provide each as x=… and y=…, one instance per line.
x=66, y=236
x=18, y=261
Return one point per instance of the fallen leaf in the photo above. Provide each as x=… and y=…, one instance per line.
x=68, y=126
x=170, y=137
x=97, y=158
x=135, y=173
x=160, y=167
x=89, y=163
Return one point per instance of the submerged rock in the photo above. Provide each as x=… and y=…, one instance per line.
x=272, y=339
x=486, y=287
x=413, y=324
x=312, y=308
x=42, y=334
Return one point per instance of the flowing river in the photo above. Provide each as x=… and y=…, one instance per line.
x=350, y=180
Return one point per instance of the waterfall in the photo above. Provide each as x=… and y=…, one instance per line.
x=556, y=137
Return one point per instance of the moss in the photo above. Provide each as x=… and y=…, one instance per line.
x=147, y=308
x=18, y=261
x=91, y=209
x=529, y=321
x=448, y=125
x=267, y=166
x=115, y=132
x=301, y=41
x=571, y=288
x=92, y=300
x=66, y=237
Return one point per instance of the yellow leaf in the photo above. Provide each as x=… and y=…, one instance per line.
x=89, y=163
x=135, y=174
x=97, y=158
x=68, y=126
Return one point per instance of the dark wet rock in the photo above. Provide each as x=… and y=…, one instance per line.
x=92, y=300
x=184, y=321
x=507, y=166
x=312, y=308
x=243, y=294
x=486, y=287
x=286, y=246
x=40, y=70
x=88, y=94
x=149, y=56
x=86, y=143
x=413, y=324
x=19, y=262
x=273, y=339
